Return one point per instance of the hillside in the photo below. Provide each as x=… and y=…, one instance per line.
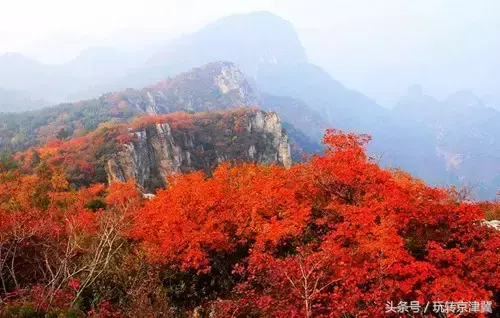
x=465, y=133
x=181, y=143
x=216, y=86
x=60, y=83
x=268, y=68
x=39, y=81
x=149, y=149
x=15, y=101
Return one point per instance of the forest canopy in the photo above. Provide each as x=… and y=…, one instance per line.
x=336, y=234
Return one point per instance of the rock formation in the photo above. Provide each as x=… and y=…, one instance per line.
x=160, y=150
x=218, y=85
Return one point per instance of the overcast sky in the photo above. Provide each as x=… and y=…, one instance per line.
x=378, y=47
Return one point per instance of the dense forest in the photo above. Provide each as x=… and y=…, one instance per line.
x=196, y=169
x=334, y=235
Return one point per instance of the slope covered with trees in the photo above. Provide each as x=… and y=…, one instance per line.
x=268, y=49
x=153, y=147
x=336, y=235
x=212, y=87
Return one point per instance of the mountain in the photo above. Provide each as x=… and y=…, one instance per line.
x=213, y=87
x=269, y=52
x=267, y=49
x=151, y=148
x=264, y=46
x=397, y=142
x=20, y=73
x=345, y=108
x=106, y=63
x=245, y=39
x=40, y=81
x=14, y=101
x=463, y=100
x=94, y=67
x=248, y=40
x=465, y=133
x=222, y=85
x=181, y=144
x=270, y=70
x=218, y=85
x=421, y=107
x=94, y=141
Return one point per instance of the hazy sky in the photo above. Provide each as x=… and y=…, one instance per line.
x=379, y=47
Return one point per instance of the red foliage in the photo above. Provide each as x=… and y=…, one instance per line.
x=120, y=193
x=335, y=235
x=39, y=217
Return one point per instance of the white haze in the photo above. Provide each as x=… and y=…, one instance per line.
x=377, y=47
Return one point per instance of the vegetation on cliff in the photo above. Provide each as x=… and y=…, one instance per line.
x=211, y=137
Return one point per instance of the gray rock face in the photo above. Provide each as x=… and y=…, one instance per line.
x=232, y=79
x=158, y=151
x=148, y=158
x=218, y=85
x=269, y=123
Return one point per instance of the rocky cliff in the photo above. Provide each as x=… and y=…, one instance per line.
x=218, y=85
x=200, y=142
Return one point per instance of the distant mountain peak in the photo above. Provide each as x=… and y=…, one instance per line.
x=217, y=85
x=417, y=104
x=223, y=76
x=415, y=90
x=249, y=40
x=464, y=98
x=492, y=101
x=263, y=14
x=257, y=19
x=16, y=57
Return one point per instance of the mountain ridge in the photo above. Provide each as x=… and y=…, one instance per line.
x=466, y=136
x=213, y=87
x=254, y=42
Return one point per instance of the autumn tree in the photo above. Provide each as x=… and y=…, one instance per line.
x=53, y=247
x=336, y=235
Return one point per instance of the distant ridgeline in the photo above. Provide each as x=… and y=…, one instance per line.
x=441, y=146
